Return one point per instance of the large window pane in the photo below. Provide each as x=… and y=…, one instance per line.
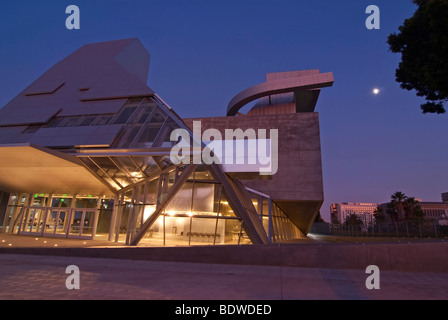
x=102, y=120
x=163, y=139
x=86, y=121
x=125, y=114
x=69, y=122
x=127, y=136
x=147, y=137
x=143, y=112
x=55, y=122
x=181, y=203
x=146, y=164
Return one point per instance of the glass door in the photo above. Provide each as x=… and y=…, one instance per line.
x=75, y=223
x=56, y=223
x=88, y=224
x=62, y=222
x=83, y=223
x=32, y=221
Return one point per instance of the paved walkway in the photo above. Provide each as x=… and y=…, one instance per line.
x=34, y=277
x=43, y=277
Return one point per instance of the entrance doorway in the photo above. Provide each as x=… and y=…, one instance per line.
x=83, y=223
x=59, y=222
x=32, y=220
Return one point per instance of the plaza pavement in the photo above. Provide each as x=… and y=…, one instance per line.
x=36, y=277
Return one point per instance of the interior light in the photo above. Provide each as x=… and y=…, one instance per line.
x=190, y=214
x=136, y=174
x=148, y=211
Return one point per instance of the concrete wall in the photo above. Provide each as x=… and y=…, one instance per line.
x=412, y=257
x=297, y=187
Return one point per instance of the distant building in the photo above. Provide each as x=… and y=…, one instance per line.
x=445, y=197
x=365, y=211
x=434, y=210
x=334, y=213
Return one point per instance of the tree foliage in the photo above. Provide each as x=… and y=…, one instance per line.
x=423, y=43
x=402, y=207
x=353, y=219
x=379, y=215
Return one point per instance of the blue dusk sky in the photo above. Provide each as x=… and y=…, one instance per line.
x=205, y=52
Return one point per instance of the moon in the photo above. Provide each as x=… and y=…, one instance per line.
x=376, y=91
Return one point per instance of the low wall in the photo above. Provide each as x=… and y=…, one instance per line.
x=413, y=257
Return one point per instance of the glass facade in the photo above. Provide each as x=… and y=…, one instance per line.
x=198, y=214
x=156, y=202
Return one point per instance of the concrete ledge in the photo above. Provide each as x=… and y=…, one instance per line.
x=411, y=257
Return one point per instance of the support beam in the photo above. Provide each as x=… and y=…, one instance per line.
x=239, y=204
x=114, y=219
x=160, y=207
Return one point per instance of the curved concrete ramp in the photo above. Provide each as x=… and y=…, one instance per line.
x=310, y=81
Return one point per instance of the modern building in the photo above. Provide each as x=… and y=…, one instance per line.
x=365, y=211
x=86, y=152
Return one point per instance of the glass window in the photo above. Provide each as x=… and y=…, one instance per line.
x=181, y=203
x=147, y=136
x=55, y=122
x=163, y=139
x=204, y=194
x=127, y=136
x=146, y=164
x=126, y=164
x=39, y=200
x=31, y=129
x=86, y=121
x=158, y=117
x=100, y=173
x=125, y=115
x=102, y=120
x=86, y=203
x=59, y=202
x=127, y=111
x=69, y=122
x=144, y=111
